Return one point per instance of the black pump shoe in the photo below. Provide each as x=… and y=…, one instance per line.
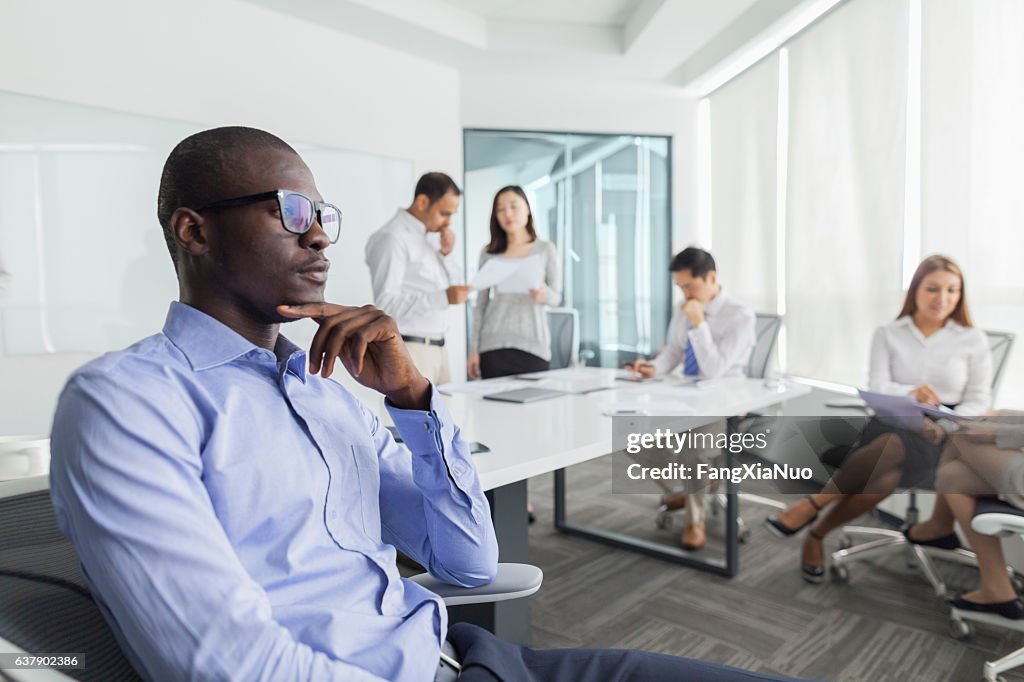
x=950, y=541
x=1011, y=610
x=814, y=574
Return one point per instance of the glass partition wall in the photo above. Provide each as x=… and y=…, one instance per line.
x=605, y=202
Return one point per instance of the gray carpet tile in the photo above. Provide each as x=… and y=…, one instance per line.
x=884, y=624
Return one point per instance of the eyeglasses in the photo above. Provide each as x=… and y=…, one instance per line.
x=297, y=211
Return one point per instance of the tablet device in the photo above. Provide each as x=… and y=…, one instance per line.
x=524, y=395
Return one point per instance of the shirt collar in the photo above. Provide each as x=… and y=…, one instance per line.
x=208, y=343
x=411, y=222
x=906, y=321
x=714, y=306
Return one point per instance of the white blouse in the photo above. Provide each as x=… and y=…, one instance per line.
x=955, y=361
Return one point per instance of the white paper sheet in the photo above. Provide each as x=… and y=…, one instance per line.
x=495, y=270
x=528, y=275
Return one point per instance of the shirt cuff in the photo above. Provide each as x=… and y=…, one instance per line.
x=700, y=333
x=432, y=438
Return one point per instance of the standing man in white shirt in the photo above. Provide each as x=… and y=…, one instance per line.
x=712, y=336
x=413, y=279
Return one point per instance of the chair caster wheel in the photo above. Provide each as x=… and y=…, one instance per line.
x=744, y=535
x=840, y=574
x=665, y=520
x=960, y=630
x=844, y=542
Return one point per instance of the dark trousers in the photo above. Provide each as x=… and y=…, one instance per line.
x=485, y=658
x=508, y=361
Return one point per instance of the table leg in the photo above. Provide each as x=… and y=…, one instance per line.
x=728, y=566
x=509, y=620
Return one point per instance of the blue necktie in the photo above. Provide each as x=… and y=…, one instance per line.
x=690, y=366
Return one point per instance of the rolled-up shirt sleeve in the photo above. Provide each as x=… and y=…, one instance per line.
x=675, y=344
x=432, y=505
x=126, y=480
x=733, y=345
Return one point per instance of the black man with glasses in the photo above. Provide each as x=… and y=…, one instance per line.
x=235, y=510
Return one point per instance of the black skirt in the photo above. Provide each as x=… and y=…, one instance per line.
x=508, y=361
x=921, y=456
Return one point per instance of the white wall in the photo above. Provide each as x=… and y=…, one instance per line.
x=220, y=62
x=544, y=104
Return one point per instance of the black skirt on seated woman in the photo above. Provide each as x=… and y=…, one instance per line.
x=920, y=455
x=508, y=361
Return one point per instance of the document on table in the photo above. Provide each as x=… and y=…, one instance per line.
x=482, y=388
x=652, y=409
x=510, y=275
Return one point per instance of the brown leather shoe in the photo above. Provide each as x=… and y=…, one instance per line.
x=673, y=501
x=694, y=537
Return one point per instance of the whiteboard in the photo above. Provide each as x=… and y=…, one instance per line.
x=83, y=264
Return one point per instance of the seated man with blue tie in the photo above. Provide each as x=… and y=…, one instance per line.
x=712, y=335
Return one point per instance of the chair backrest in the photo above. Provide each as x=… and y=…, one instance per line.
x=564, y=324
x=999, y=344
x=766, y=331
x=45, y=605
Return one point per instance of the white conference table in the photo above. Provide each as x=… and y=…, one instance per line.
x=532, y=439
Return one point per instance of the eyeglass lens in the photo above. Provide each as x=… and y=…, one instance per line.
x=297, y=215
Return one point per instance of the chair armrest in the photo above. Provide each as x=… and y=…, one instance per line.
x=994, y=517
x=512, y=582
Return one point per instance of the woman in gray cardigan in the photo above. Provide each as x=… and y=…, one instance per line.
x=510, y=330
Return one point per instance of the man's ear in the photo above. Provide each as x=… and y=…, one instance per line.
x=191, y=231
x=421, y=202
x=713, y=277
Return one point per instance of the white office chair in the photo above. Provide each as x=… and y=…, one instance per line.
x=882, y=541
x=46, y=607
x=22, y=456
x=992, y=517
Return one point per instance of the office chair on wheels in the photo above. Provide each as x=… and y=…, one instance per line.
x=992, y=517
x=882, y=541
x=46, y=607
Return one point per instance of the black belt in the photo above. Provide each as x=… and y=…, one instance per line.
x=420, y=339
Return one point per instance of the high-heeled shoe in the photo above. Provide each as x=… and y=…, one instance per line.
x=776, y=525
x=814, y=574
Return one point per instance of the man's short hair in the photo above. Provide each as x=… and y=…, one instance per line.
x=436, y=185
x=198, y=169
x=698, y=261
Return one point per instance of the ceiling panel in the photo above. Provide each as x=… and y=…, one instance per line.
x=594, y=12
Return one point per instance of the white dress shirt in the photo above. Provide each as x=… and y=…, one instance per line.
x=409, y=276
x=722, y=343
x=955, y=361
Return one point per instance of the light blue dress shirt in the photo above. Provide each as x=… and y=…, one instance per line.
x=237, y=518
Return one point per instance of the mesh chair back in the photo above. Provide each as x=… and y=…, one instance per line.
x=999, y=344
x=45, y=606
x=767, y=333
x=565, y=336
